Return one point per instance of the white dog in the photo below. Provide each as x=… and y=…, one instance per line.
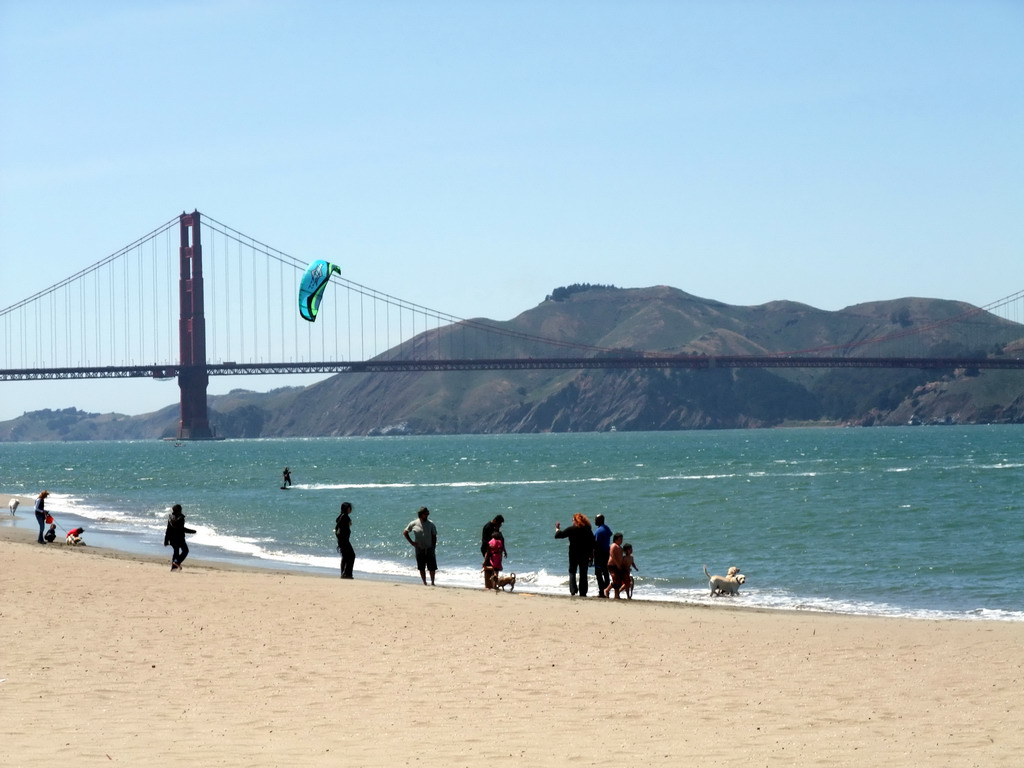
x=13, y=505
x=725, y=585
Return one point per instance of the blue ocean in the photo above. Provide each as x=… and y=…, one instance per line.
x=922, y=522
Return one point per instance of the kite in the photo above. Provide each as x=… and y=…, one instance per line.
x=311, y=289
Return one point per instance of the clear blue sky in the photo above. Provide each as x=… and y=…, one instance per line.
x=472, y=156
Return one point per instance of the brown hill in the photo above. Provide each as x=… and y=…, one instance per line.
x=658, y=319
x=665, y=320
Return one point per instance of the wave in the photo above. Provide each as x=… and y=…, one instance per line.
x=212, y=543
x=453, y=484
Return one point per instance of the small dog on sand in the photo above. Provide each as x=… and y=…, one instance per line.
x=505, y=581
x=725, y=585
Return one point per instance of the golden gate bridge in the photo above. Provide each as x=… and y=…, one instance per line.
x=143, y=312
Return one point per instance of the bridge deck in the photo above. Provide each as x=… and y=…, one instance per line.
x=692, y=362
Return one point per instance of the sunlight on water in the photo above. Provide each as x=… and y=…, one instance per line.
x=894, y=522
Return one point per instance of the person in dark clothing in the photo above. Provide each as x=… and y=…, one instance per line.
x=175, y=537
x=602, y=543
x=343, y=532
x=492, y=530
x=41, y=513
x=581, y=551
x=286, y=478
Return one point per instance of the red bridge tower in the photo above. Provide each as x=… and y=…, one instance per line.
x=192, y=376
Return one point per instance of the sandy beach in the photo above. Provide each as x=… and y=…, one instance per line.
x=110, y=658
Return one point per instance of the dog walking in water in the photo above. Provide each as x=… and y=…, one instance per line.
x=725, y=585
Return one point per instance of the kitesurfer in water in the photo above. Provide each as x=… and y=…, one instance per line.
x=286, y=478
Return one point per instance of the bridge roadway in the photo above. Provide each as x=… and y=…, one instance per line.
x=692, y=362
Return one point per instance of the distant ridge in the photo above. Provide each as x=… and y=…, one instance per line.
x=659, y=319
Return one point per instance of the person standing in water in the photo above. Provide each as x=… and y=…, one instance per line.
x=343, y=532
x=286, y=478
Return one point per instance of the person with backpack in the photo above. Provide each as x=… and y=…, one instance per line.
x=343, y=533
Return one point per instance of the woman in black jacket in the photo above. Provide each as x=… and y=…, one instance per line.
x=175, y=537
x=581, y=551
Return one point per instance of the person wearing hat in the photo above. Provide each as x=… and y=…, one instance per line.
x=41, y=513
x=424, y=541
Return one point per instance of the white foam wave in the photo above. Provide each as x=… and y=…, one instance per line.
x=541, y=581
x=454, y=484
x=697, y=477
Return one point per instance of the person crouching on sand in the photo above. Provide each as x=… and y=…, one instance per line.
x=175, y=537
x=51, y=534
x=74, y=537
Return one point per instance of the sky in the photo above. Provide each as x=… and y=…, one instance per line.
x=472, y=156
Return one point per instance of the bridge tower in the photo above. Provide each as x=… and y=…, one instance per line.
x=193, y=377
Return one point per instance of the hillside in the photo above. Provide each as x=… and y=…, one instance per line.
x=658, y=319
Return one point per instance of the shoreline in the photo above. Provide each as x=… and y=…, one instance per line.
x=128, y=545
x=111, y=658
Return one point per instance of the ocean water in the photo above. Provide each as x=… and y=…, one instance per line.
x=923, y=522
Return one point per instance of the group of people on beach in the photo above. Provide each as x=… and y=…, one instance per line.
x=421, y=533
x=612, y=560
x=44, y=518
